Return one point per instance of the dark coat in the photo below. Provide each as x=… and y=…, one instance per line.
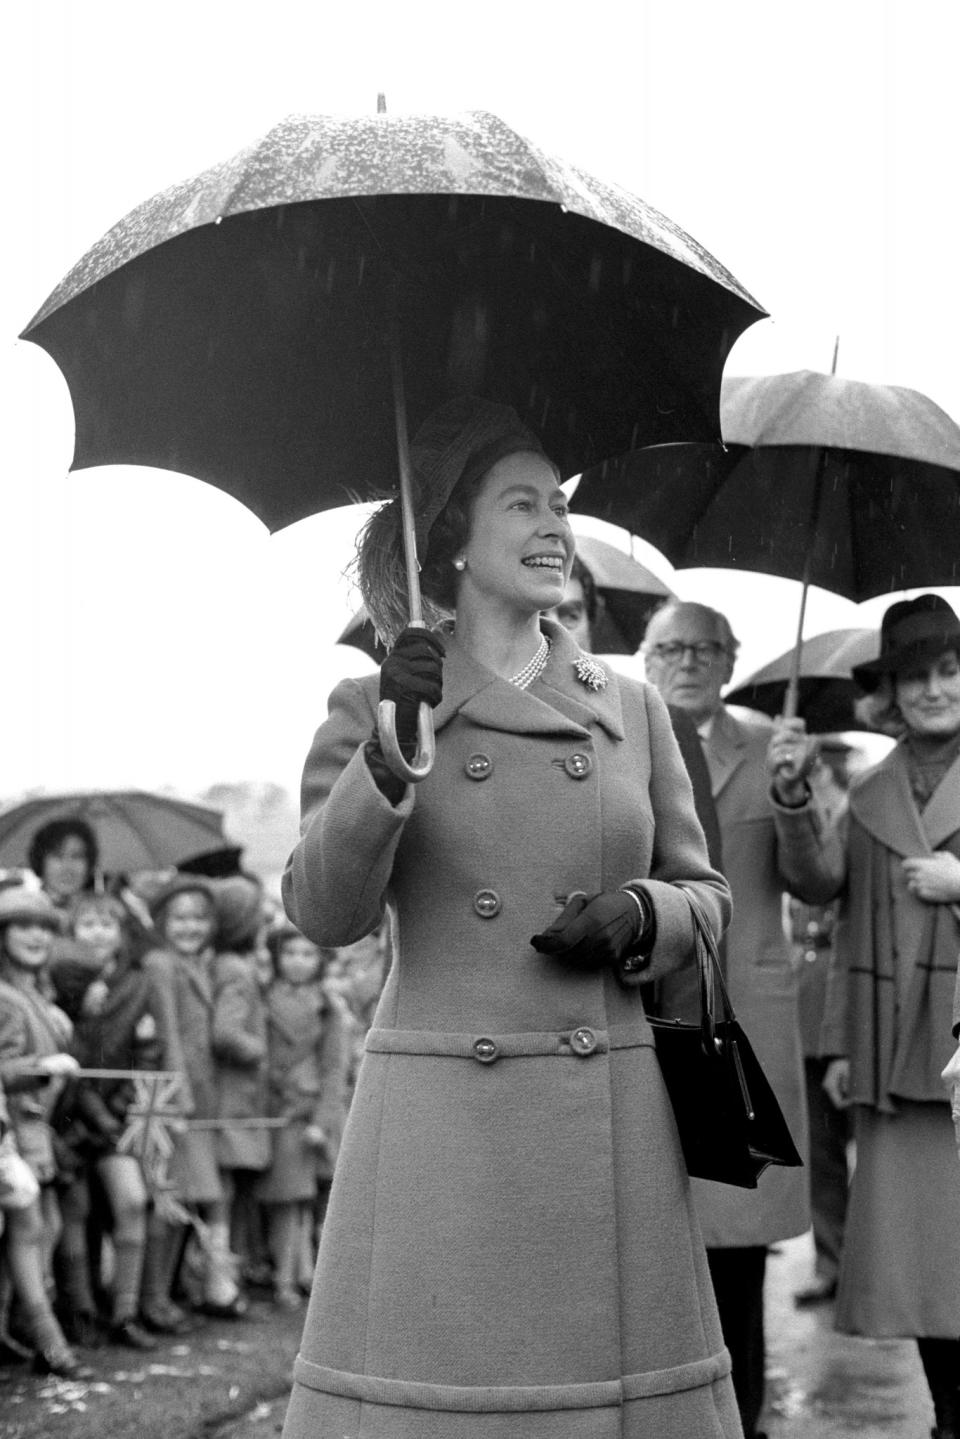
x=131, y=1031
x=766, y=850
x=509, y=1248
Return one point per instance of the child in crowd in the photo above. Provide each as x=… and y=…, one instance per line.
x=121, y=1021
x=240, y=1059
x=34, y=1063
x=185, y=919
x=309, y=1055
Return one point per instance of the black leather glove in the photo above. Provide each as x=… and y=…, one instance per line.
x=411, y=674
x=597, y=930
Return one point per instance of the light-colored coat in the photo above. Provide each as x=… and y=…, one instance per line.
x=30, y=1029
x=239, y=1042
x=308, y=1034
x=509, y=1248
x=894, y=970
x=888, y=1009
x=187, y=986
x=766, y=850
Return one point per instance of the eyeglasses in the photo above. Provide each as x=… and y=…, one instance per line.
x=705, y=652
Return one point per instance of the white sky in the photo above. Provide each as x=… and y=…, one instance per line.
x=153, y=633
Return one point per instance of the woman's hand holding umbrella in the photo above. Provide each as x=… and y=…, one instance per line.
x=791, y=756
x=411, y=677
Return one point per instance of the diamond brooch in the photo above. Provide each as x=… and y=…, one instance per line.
x=590, y=673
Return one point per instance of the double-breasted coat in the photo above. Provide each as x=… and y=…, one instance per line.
x=766, y=850
x=510, y=1247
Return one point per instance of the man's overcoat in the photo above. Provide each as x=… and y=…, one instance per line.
x=766, y=850
x=510, y=1247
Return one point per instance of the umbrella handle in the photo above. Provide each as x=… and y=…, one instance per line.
x=420, y=766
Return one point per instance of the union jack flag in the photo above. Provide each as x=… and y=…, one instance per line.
x=156, y=1108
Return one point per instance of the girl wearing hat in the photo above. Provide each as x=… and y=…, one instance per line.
x=239, y=1041
x=308, y=1045
x=889, y=1003
x=185, y=919
x=34, y=1064
x=510, y=1247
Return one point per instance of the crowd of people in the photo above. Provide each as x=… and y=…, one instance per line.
x=176, y=1061
x=491, y=1201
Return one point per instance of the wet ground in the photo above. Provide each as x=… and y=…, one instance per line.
x=230, y=1381
x=824, y=1385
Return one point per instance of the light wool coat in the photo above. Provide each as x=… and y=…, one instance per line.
x=510, y=1247
x=766, y=850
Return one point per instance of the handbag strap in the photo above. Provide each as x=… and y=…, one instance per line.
x=714, y=996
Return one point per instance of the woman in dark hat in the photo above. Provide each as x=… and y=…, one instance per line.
x=510, y=1247
x=889, y=1003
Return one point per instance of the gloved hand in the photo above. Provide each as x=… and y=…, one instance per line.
x=596, y=930
x=412, y=673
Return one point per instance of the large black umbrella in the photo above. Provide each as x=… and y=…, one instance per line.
x=837, y=483
x=248, y=325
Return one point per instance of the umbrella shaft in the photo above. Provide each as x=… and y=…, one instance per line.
x=406, y=486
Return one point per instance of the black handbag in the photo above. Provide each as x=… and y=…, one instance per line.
x=731, y=1125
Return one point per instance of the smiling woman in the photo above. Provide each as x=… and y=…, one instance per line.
x=536, y=877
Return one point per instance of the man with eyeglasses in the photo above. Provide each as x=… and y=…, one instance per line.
x=768, y=846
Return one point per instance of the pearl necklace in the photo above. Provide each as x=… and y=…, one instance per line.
x=534, y=668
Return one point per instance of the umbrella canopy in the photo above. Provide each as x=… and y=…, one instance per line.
x=135, y=829
x=850, y=486
x=629, y=591
x=826, y=687
x=237, y=326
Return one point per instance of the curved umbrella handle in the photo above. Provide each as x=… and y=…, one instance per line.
x=412, y=771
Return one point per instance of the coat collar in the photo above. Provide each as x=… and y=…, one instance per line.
x=570, y=706
x=725, y=748
x=883, y=803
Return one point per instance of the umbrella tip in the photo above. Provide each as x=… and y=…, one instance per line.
x=381, y=103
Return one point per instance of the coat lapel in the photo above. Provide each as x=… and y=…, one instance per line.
x=941, y=818
x=883, y=803
x=562, y=704
x=724, y=749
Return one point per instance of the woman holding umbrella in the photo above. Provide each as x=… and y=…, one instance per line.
x=510, y=1246
x=889, y=1003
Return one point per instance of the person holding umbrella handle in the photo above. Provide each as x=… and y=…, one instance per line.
x=510, y=1237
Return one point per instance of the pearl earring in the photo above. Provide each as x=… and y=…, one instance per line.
x=460, y=563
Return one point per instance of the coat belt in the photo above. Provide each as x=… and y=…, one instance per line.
x=582, y=1041
x=501, y=1399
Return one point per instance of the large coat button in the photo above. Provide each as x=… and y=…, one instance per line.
x=487, y=903
x=479, y=766
x=583, y=1041
x=485, y=1050
x=578, y=765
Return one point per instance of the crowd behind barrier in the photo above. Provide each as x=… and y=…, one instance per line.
x=176, y=1064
